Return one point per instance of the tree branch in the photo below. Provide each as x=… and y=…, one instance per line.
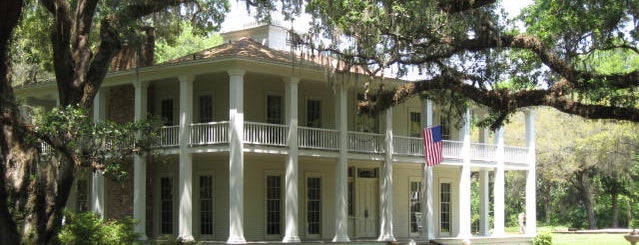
x=456, y=6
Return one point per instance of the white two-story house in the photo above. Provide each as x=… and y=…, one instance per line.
x=260, y=145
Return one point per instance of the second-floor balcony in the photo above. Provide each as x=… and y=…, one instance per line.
x=276, y=135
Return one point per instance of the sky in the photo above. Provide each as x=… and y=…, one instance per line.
x=238, y=16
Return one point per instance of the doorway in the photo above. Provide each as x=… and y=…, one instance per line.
x=366, y=203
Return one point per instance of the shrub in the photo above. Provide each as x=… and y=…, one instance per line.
x=87, y=228
x=543, y=238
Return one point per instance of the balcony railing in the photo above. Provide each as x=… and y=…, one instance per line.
x=515, y=154
x=264, y=134
x=452, y=149
x=209, y=133
x=365, y=142
x=318, y=138
x=409, y=146
x=169, y=136
x=483, y=152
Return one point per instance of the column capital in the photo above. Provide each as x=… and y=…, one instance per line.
x=236, y=72
x=186, y=78
x=140, y=84
x=293, y=80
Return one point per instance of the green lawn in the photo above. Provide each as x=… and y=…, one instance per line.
x=588, y=239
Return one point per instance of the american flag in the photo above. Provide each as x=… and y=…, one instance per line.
x=433, y=145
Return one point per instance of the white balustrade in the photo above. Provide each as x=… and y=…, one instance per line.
x=483, y=152
x=452, y=149
x=169, y=136
x=265, y=134
x=328, y=139
x=410, y=146
x=365, y=142
x=209, y=133
x=318, y=138
x=515, y=154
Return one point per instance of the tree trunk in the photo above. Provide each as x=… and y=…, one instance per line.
x=587, y=198
x=10, y=12
x=547, y=202
x=615, y=208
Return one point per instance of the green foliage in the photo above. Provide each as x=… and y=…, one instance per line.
x=87, y=228
x=104, y=145
x=543, y=238
x=184, y=43
x=568, y=146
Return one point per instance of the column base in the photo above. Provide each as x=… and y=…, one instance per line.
x=143, y=237
x=236, y=240
x=341, y=239
x=386, y=238
x=427, y=237
x=291, y=239
x=186, y=238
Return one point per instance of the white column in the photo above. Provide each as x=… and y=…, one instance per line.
x=484, y=192
x=531, y=208
x=97, y=187
x=499, y=185
x=236, y=157
x=464, y=180
x=139, y=163
x=291, y=209
x=484, y=200
x=386, y=184
x=185, y=225
x=341, y=170
x=428, y=208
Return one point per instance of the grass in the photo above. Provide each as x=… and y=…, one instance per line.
x=587, y=239
x=584, y=239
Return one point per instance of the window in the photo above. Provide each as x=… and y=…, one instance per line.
x=351, y=191
x=415, y=206
x=82, y=197
x=367, y=173
x=274, y=109
x=273, y=204
x=313, y=204
x=415, y=124
x=351, y=197
x=206, y=205
x=313, y=114
x=445, y=208
x=365, y=122
x=445, y=127
x=206, y=108
x=166, y=205
x=167, y=112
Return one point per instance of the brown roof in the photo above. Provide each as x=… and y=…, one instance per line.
x=249, y=48
x=244, y=47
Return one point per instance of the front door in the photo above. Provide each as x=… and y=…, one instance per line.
x=367, y=211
